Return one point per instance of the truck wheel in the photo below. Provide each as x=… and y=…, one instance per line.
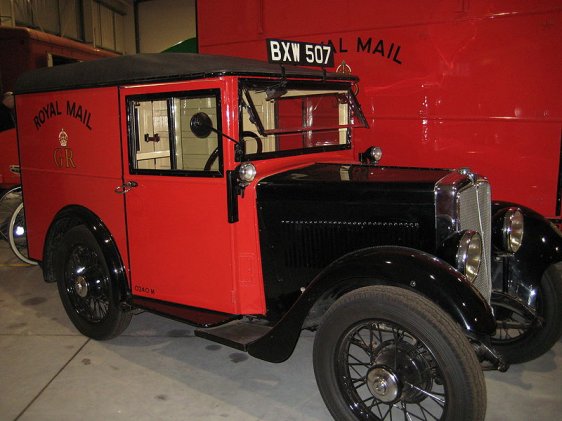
x=385, y=353
x=520, y=338
x=87, y=291
x=17, y=235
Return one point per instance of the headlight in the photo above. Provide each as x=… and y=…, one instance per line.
x=376, y=153
x=246, y=173
x=469, y=254
x=513, y=228
x=372, y=155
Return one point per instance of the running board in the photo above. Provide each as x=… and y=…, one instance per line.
x=237, y=334
x=194, y=316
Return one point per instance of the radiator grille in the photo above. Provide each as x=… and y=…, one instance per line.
x=315, y=243
x=473, y=204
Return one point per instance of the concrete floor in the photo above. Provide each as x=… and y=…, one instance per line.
x=157, y=370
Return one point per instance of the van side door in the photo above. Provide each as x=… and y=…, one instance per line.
x=180, y=248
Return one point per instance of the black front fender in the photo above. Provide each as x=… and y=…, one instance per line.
x=396, y=266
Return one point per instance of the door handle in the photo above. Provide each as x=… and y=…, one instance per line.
x=124, y=188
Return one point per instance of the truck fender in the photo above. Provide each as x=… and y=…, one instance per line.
x=388, y=265
x=72, y=216
x=541, y=246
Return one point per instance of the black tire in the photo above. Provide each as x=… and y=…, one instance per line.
x=87, y=290
x=385, y=353
x=9, y=201
x=520, y=338
x=17, y=235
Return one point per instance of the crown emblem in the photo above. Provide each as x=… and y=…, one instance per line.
x=343, y=68
x=63, y=138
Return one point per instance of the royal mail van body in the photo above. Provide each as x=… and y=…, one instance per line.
x=225, y=192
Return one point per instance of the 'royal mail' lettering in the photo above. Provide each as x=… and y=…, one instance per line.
x=45, y=113
x=52, y=110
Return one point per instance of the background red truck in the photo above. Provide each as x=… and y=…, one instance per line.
x=443, y=83
x=9, y=162
x=23, y=49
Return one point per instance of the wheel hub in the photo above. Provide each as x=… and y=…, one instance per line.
x=81, y=286
x=384, y=384
x=410, y=368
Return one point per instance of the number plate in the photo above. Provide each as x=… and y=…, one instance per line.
x=299, y=53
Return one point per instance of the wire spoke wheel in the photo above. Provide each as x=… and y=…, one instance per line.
x=523, y=335
x=87, y=290
x=385, y=353
x=386, y=372
x=512, y=325
x=87, y=286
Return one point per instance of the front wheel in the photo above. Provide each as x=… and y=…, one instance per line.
x=385, y=353
x=522, y=336
x=87, y=290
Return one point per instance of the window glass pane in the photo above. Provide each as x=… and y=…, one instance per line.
x=161, y=136
x=294, y=118
x=194, y=152
x=153, y=146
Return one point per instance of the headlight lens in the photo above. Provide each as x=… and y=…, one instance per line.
x=513, y=228
x=469, y=254
x=247, y=173
x=376, y=153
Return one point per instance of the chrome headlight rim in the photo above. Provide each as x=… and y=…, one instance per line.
x=469, y=254
x=246, y=173
x=513, y=229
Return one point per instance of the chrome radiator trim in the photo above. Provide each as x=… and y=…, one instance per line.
x=463, y=202
x=474, y=204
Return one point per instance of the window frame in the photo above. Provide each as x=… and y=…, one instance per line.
x=245, y=84
x=168, y=96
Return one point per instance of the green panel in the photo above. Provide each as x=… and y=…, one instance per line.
x=187, y=46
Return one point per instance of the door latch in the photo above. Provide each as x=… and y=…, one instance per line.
x=124, y=188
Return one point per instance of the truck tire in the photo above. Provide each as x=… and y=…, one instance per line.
x=386, y=353
x=520, y=339
x=87, y=290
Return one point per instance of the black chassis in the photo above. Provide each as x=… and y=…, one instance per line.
x=328, y=229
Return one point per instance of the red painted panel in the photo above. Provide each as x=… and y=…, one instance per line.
x=70, y=155
x=451, y=83
x=182, y=246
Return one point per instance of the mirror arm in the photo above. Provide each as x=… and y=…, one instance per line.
x=225, y=135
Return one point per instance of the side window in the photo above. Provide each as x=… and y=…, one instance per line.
x=160, y=137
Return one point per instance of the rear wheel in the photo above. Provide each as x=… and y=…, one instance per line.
x=385, y=353
x=87, y=290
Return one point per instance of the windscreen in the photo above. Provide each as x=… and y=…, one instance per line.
x=297, y=117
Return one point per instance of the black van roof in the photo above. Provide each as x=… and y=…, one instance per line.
x=160, y=67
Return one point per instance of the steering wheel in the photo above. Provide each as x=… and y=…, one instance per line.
x=254, y=136
x=213, y=157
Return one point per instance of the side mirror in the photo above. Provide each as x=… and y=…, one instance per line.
x=201, y=125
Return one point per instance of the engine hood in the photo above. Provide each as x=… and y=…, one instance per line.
x=351, y=182
x=308, y=217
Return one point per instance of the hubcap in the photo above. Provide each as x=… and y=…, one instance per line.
x=384, y=384
x=87, y=284
x=387, y=373
x=81, y=286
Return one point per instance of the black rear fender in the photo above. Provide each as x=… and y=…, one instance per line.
x=70, y=217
